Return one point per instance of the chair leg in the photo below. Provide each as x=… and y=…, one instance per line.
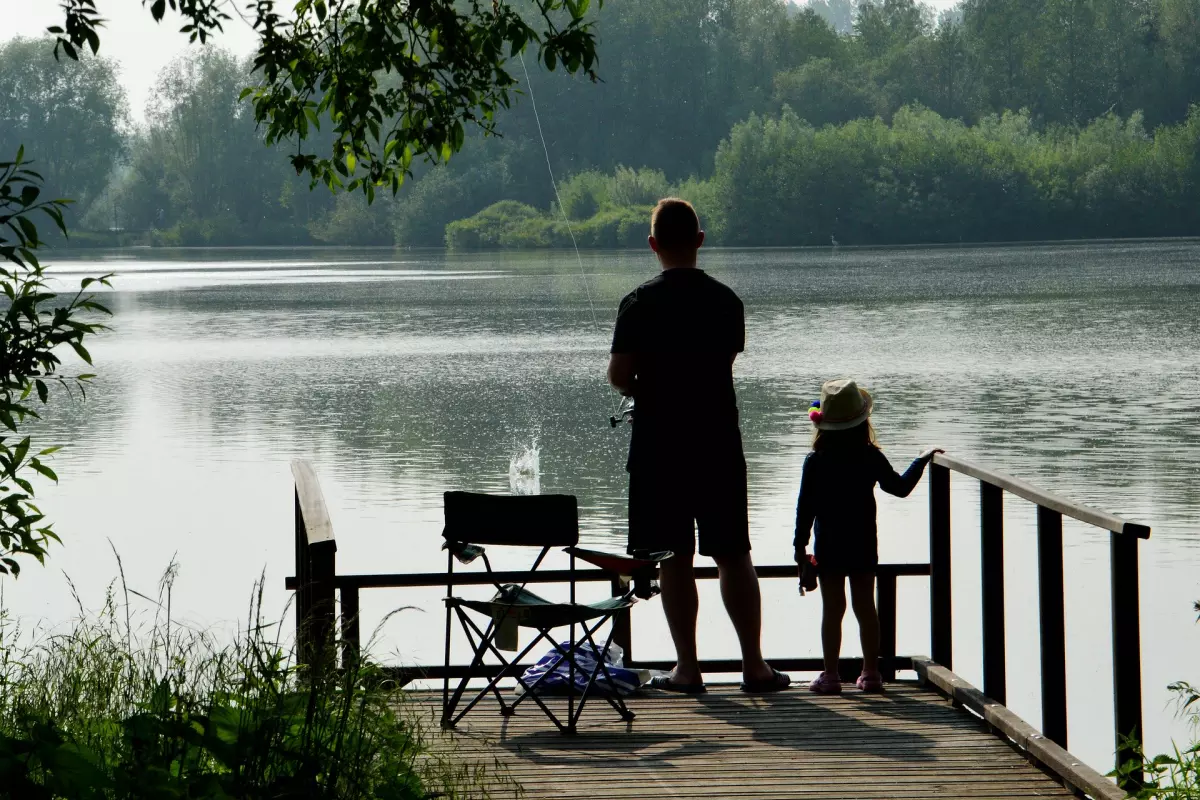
x=612, y=696
x=488, y=643
x=505, y=709
x=448, y=718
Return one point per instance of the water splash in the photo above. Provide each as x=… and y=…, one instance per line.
x=524, y=470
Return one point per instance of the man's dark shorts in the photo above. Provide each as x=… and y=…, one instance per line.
x=670, y=509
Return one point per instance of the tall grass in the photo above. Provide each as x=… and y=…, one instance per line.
x=1174, y=775
x=115, y=709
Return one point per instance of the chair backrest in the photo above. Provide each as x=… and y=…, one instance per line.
x=544, y=520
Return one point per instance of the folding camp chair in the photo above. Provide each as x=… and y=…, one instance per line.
x=542, y=521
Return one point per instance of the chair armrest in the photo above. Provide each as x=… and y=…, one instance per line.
x=463, y=552
x=619, y=563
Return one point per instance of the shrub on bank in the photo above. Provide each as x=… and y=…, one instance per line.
x=1174, y=775
x=106, y=711
x=516, y=226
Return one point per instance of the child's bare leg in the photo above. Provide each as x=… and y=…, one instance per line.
x=862, y=597
x=833, y=608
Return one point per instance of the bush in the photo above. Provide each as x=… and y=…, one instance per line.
x=637, y=187
x=1174, y=775
x=486, y=229
x=515, y=226
x=108, y=712
x=584, y=194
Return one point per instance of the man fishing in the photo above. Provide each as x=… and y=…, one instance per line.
x=675, y=342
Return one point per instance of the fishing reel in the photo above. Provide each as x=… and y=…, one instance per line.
x=624, y=412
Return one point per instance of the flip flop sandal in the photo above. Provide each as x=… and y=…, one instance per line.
x=665, y=684
x=776, y=683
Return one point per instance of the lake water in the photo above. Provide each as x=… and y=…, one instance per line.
x=402, y=375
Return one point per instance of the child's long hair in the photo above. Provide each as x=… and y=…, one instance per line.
x=858, y=436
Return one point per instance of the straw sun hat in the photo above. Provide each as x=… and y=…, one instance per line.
x=842, y=406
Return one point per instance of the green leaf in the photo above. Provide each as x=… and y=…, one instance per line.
x=42, y=469
x=81, y=351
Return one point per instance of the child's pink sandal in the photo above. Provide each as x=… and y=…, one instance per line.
x=870, y=682
x=826, y=684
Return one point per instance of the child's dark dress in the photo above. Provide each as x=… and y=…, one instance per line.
x=837, y=491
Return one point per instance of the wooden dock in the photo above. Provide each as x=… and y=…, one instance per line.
x=910, y=742
x=940, y=738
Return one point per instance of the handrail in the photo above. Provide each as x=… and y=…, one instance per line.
x=1054, y=502
x=311, y=502
x=1124, y=538
x=408, y=580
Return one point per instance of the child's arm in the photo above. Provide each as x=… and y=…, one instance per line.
x=901, y=485
x=806, y=509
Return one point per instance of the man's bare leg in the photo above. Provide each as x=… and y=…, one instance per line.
x=743, y=603
x=681, y=604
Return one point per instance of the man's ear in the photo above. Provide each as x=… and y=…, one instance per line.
x=653, y=243
x=700, y=240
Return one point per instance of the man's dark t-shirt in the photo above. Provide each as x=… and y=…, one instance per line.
x=684, y=328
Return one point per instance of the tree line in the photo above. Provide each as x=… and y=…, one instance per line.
x=878, y=121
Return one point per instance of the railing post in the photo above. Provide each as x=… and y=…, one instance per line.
x=885, y=588
x=1126, y=647
x=940, y=619
x=303, y=587
x=991, y=527
x=622, y=627
x=323, y=568
x=1053, y=626
x=351, y=639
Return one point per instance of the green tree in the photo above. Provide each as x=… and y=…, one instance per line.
x=35, y=325
x=823, y=94
x=392, y=81
x=73, y=113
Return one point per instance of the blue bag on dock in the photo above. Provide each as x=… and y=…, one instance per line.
x=624, y=681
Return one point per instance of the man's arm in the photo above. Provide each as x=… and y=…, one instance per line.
x=621, y=373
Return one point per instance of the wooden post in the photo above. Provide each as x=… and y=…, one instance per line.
x=316, y=569
x=991, y=526
x=940, y=618
x=1053, y=626
x=885, y=590
x=622, y=626
x=322, y=562
x=303, y=591
x=351, y=638
x=1126, y=647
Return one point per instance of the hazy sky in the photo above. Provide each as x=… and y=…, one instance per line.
x=141, y=47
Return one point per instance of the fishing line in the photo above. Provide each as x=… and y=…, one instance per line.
x=616, y=408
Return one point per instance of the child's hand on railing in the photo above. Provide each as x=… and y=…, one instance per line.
x=930, y=453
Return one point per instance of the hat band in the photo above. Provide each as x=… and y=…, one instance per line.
x=839, y=420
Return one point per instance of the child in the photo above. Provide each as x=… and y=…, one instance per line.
x=837, y=491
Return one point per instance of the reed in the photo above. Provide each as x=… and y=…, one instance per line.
x=1174, y=775
x=112, y=708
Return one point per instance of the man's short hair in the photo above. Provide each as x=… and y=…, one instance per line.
x=674, y=224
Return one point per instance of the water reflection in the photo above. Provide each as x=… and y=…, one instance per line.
x=403, y=375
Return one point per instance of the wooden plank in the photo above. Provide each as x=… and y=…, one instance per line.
x=1073, y=772
x=906, y=743
x=311, y=502
x=1043, y=498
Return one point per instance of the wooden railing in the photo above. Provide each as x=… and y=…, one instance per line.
x=1124, y=537
x=316, y=582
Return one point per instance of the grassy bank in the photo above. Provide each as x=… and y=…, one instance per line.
x=114, y=709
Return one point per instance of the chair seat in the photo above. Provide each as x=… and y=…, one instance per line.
x=533, y=611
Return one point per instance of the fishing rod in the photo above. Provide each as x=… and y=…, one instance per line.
x=624, y=409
